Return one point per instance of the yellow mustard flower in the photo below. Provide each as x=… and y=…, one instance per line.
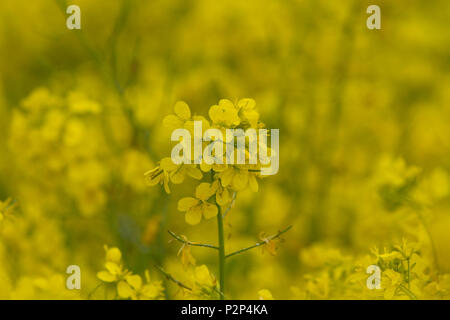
x=114, y=269
x=223, y=196
x=238, y=178
x=189, y=124
x=198, y=207
x=247, y=112
x=177, y=120
x=224, y=114
x=128, y=284
x=132, y=287
x=216, y=167
x=169, y=171
x=390, y=281
x=183, y=170
x=203, y=284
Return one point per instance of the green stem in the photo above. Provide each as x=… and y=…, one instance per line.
x=409, y=275
x=408, y=292
x=259, y=243
x=171, y=278
x=221, y=253
x=190, y=243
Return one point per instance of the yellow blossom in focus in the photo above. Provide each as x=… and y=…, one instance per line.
x=177, y=120
x=224, y=114
x=198, y=207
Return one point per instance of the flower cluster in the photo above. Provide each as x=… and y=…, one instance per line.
x=128, y=285
x=364, y=150
x=203, y=285
x=218, y=181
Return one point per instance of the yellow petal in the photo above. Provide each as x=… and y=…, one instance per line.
x=182, y=110
x=194, y=215
x=113, y=255
x=246, y=104
x=203, y=276
x=252, y=117
x=172, y=122
x=168, y=165
x=223, y=198
x=240, y=180
x=229, y=112
x=185, y=204
x=124, y=290
x=177, y=177
x=106, y=276
x=220, y=167
x=253, y=183
x=226, y=104
x=215, y=113
x=153, y=290
x=194, y=172
x=205, y=123
x=189, y=126
x=224, y=113
x=153, y=181
x=134, y=281
x=214, y=186
x=205, y=167
x=227, y=176
x=209, y=210
x=113, y=267
x=203, y=191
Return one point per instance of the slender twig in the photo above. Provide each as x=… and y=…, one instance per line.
x=95, y=289
x=277, y=235
x=194, y=244
x=220, y=293
x=408, y=292
x=221, y=254
x=233, y=199
x=171, y=278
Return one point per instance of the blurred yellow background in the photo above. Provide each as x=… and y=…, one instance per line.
x=364, y=143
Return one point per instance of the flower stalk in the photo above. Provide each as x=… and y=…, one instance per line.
x=190, y=243
x=221, y=253
x=277, y=235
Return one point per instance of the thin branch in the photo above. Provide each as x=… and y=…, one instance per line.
x=408, y=292
x=194, y=244
x=171, y=278
x=231, y=204
x=95, y=289
x=219, y=292
x=277, y=235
